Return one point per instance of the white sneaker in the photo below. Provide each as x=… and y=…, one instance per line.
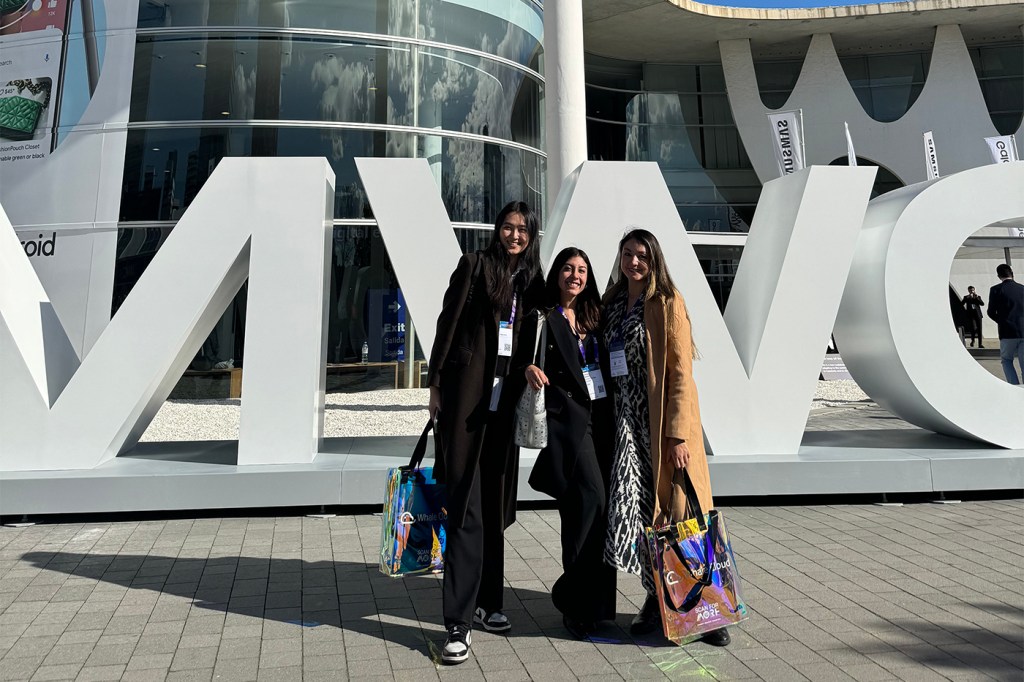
x=492, y=622
x=456, y=648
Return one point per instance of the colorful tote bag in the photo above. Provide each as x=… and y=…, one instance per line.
x=695, y=573
x=413, y=528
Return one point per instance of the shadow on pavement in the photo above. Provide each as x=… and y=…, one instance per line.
x=354, y=597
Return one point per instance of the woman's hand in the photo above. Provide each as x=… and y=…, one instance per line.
x=536, y=378
x=435, y=402
x=678, y=453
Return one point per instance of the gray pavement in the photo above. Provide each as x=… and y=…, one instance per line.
x=836, y=592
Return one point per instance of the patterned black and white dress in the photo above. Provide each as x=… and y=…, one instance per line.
x=631, y=489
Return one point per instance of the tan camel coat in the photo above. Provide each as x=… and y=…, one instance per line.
x=674, y=410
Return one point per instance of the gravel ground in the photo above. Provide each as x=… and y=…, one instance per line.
x=371, y=413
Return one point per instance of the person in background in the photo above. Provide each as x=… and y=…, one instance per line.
x=472, y=400
x=573, y=468
x=658, y=431
x=973, y=304
x=1006, y=307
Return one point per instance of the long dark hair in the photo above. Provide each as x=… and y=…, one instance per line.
x=658, y=281
x=497, y=264
x=588, y=303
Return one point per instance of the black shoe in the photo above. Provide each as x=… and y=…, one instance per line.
x=577, y=628
x=456, y=648
x=719, y=637
x=980, y=346
x=495, y=621
x=649, y=618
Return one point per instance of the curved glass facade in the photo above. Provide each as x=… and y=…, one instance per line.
x=678, y=116
x=458, y=84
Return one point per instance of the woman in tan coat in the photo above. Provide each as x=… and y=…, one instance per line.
x=657, y=418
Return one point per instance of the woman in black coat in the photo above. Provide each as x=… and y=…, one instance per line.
x=573, y=468
x=472, y=400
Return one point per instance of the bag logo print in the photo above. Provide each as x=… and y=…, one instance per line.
x=671, y=578
x=707, y=612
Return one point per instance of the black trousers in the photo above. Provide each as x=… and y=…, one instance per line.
x=474, y=555
x=973, y=329
x=586, y=589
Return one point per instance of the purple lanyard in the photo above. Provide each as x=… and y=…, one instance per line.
x=579, y=341
x=512, y=315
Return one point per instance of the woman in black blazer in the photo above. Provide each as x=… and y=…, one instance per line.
x=573, y=468
x=472, y=400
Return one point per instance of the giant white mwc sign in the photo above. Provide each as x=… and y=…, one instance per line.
x=819, y=256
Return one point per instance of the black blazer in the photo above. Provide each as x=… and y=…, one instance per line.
x=462, y=364
x=570, y=410
x=1006, y=307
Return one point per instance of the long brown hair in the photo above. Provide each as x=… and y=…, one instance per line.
x=588, y=303
x=658, y=281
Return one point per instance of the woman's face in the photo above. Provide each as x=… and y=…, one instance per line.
x=634, y=261
x=572, y=278
x=514, y=235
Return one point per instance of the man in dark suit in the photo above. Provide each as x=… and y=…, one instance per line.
x=1006, y=307
x=973, y=304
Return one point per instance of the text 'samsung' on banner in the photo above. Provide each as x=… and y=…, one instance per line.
x=788, y=140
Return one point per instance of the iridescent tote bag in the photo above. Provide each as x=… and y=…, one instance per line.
x=413, y=528
x=695, y=573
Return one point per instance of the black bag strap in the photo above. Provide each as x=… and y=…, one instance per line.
x=421, y=446
x=705, y=578
x=692, y=500
x=671, y=540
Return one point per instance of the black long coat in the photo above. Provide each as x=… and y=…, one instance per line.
x=462, y=365
x=569, y=409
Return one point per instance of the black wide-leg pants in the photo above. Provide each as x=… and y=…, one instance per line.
x=586, y=590
x=474, y=556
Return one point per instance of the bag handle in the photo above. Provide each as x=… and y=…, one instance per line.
x=421, y=446
x=542, y=339
x=692, y=500
x=692, y=597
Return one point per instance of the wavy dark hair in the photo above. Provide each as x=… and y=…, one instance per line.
x=498, y=267
x=588, y=303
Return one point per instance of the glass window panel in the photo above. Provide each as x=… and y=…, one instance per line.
x=856, y=69
x=316, y=80
x=511, y=29
x=478, y=179
x=896, y=69
x=715, y=110
x=1002, y=61
x=672, y=148
x=608, y=105
x=670, y=78
x=719, y=264
x=1004, y=98
x=165, y=169
x=778, y=76
x=712, y=78
x=891, y=102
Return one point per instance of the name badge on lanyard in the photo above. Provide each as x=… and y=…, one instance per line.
x=617, y=360
x=504, y=339
x=595, y=382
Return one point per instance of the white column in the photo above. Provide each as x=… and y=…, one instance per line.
x=565, y=104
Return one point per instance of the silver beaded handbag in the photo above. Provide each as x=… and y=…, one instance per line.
x=531, y=430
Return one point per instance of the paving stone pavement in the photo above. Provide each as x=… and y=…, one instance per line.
x=836, y=592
